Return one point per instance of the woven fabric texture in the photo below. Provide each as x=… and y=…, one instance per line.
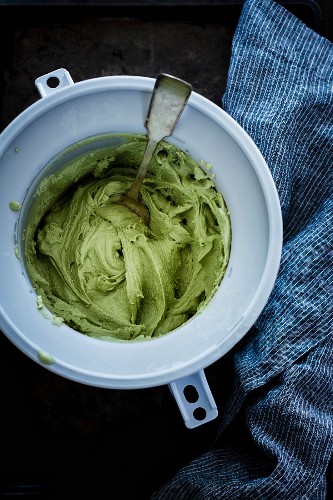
x=276, y=430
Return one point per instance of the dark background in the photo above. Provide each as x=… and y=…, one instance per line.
x=58, y=437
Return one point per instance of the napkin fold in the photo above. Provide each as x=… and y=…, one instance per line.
x=275, y=438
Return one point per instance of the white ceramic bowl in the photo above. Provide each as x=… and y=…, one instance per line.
x=119, y=104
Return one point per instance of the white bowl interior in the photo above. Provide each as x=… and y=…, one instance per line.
x=119, y=105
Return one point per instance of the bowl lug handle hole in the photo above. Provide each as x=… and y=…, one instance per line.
x=191, y=394
x=199, y=413
x=53, y=82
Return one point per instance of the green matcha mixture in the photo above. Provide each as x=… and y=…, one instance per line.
x=96, y=265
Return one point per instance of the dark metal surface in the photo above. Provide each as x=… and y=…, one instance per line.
x=59, y=437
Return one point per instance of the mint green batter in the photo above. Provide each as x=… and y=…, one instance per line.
x=96, y=264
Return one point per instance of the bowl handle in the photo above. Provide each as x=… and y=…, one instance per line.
x=53, y=82
x=194, y=399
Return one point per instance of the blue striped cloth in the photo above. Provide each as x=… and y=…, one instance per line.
x=275, y=437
